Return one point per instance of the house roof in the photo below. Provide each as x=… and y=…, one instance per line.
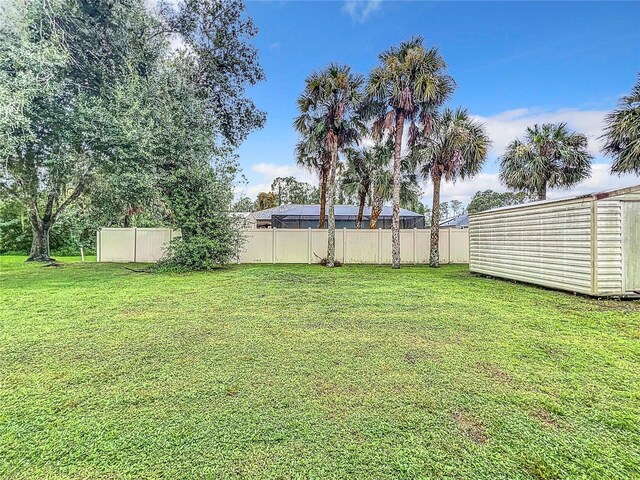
x=591, y=196
x=458, y=221
x=314, y=211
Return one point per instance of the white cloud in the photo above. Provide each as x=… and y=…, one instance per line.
x=506, y=126
x=359, y=10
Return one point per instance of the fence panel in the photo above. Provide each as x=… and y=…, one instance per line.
x=258, y=247
x=293, y=245
x=444, y=245
x=459, y=245
x=319, y=240
x=151, y=244
x=116, y=245
x=362, y=246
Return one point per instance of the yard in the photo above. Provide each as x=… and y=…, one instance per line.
x=298, y=371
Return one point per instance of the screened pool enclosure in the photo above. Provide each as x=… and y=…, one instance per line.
x=308, y=216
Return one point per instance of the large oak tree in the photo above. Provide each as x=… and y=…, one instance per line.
x=96, y=90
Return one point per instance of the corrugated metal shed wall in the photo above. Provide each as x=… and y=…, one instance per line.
x=544, y=244
x=577, y=244
x=609, y=247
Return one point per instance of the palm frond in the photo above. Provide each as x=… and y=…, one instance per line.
x=622, y=134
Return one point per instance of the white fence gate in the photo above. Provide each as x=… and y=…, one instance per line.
x=289, y=245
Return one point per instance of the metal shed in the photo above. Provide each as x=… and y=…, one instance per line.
x=587, y=244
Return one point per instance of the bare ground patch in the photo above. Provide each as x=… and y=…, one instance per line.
x=419, y=355
x=545, y=417
x=471, y=427
x=494, y=371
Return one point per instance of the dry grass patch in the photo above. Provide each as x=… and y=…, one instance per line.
x=471, y=427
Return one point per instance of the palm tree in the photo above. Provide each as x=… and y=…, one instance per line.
x=381, y=189
x=311, y=154
x=551, y=156
x=622, y=134
x=333, y=96
x=357, y=177
x=455, y=147
x=409, y=84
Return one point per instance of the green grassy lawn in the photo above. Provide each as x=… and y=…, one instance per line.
x=298, y=371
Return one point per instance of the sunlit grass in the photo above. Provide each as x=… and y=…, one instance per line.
x=303, y=372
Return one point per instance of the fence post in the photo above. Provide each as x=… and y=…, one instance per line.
x=273, y=245
x=309, y=237
x=415, y=247
x=450, y=261
x=135, y=244
x=98, y=245
x=344, y=244
x=379, y=246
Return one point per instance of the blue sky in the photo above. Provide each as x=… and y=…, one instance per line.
x=515, y=63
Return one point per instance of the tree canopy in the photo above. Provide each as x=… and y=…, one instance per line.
x=622, y=134
x=551, y=156
x=288, y=190
x=488, y=199
x=101, y=104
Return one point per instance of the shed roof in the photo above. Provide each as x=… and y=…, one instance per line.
x=314, y=210
x=590, y=196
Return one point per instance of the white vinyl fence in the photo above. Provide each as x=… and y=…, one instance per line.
x=133, y=244
x=289, y=245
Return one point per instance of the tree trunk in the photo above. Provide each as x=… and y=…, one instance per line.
x=376, y=210
x=363, y=200
x=331, y=244
x=434, y=252
x=542, y=192
x=323, y=195
x=395, y=226
x=40, y=243
x=41, y=226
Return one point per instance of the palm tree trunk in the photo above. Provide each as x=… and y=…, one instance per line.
x=434, y=252
x=376, y=210
x=323, y=194
x=395, y=225
x=363, y=200
x=331, y=243
x=542, y=192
